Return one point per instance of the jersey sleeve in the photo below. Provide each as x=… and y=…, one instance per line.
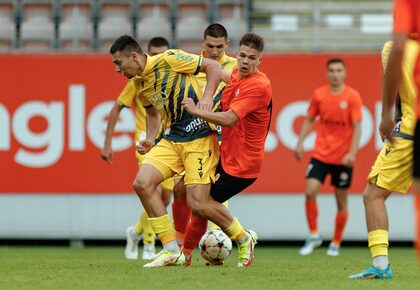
x=403, y=17
x=251, y=98
x=313, y=109
x=128, y=94
x=183, y=62
x=356, y=111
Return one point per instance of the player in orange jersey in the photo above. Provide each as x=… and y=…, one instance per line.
x=245, y=118
x=339, y=108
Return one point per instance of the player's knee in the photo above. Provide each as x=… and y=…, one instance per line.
x=142, y=187
x=310, y=195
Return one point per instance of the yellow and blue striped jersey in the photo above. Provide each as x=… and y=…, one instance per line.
x=166, y=80
x=227, y=63
x=126, y=98
x=405, y=114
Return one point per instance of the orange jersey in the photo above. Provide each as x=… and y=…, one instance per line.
x=407, y=20
x=242, y=148
x=335, y=129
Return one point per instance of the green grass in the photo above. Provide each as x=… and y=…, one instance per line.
x=50, y=268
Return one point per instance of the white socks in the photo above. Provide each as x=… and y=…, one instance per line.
x=172, y=247
x=381, y=262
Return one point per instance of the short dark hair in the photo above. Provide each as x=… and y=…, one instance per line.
x=216, y=30
x=157, y=42
x=125, y=43
x=335, y=60
x=252, y=40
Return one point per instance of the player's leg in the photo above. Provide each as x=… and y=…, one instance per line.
x=341, y=218
x=416, y=184
x=224, y=188
x=165, y=189
x=341, y=177
x=180, y=211
x=392, y=172
x=161, y=163
x=212, y=225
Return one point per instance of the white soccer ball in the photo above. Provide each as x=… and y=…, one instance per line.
x=215, y=246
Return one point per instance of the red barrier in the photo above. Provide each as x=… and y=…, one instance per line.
x=52, y=121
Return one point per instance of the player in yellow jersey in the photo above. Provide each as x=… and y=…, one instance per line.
x=215, y=42
x=142, y=229
x=190, y=144
x=392, y=171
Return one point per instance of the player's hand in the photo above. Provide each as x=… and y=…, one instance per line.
x=298, y=151
x=349, y=159
x=205, y=104
x=189, y=105
x=144, y=146
x=385, y=129
x=107, y=154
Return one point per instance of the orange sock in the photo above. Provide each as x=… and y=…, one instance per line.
x=196, y=229
x=181, y=215
x=340, y=224
x=312, y=216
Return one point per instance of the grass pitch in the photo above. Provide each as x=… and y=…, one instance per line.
x=274, y=268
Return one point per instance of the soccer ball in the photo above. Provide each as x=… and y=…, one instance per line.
x=215, y=246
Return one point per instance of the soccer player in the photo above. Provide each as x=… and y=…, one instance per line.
x=339, y=108
x=189, y=143
x=402, y=63
x=245, y=118
x=215, y=42
x=125, y=100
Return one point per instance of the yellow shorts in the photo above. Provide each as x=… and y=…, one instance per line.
x=393, y=168
x=199, y=159
x=167, y=184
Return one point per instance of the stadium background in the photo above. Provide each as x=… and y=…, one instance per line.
x=57, y=84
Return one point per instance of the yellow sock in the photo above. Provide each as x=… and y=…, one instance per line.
x=378, y=243
x=148, y=233
x=235, y=231
x=163, y=228
x=139, y=227
x=213, y=226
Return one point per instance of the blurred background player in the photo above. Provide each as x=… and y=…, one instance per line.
x=142, y=229
x=403, y=63
x=339, y=108
x=392, y=171
x=189, y=144
x=245, y=119
x=215, y=43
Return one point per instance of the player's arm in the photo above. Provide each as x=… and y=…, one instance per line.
x=106, y=152
x=350, y=157
x=213, y=74
x=152, y=129
x=225, y=76
x=227, y=119
x=304, y=132
x=392, y=79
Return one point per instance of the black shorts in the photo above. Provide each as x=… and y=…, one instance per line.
x=227, y=186
x=340, y=175
x=416, y=152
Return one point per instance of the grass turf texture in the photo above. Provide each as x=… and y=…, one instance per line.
x=274, y=268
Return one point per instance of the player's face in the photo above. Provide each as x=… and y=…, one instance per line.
x=336, y=73
x=154, y=50
x=126, y=64
x=248, y=61
x=215, y=47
